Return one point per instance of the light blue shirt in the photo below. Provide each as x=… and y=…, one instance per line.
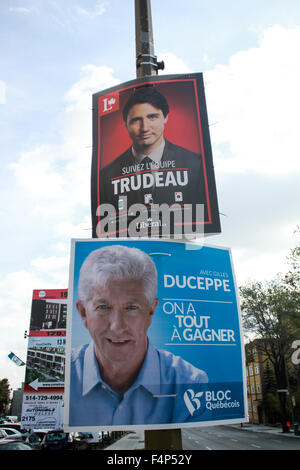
x=159, y=394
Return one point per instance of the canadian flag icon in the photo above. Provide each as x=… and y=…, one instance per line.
x=108, y=103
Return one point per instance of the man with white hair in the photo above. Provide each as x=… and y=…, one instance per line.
x=120, y=378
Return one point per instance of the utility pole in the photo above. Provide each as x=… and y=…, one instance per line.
x=146, y=60
x=147, y=65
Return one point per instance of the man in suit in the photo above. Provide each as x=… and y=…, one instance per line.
x=153, y=170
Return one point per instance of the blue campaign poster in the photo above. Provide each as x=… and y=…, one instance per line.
x=194, y=373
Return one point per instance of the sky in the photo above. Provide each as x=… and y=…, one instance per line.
x=56, y=53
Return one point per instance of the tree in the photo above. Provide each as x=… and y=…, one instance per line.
x=292, y=277
x=270, y=311
x=4, y=395
x=270, y=395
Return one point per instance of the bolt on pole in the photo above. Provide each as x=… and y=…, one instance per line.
x=146, y=61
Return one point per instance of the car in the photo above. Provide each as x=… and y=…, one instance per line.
x=3, y=434
x=35, y=439
x=11, y=419
x=12, y=433
x=15, y=426
x=7, y=444
x=57, y=440
x=84, y=440
x=93, y=439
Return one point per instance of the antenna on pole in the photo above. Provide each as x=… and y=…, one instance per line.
x=146, y=60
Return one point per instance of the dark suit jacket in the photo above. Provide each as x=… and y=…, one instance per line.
x=189, y=165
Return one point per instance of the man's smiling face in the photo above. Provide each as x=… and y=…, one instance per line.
x=145, y=125
x=118, y=317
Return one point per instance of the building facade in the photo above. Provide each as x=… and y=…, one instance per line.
x=254, y=365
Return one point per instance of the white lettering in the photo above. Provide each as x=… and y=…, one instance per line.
x=193, y=282
x=296, y=354
x=175, y=334
x=169, y=277
x=105, y=105
x=147, y=180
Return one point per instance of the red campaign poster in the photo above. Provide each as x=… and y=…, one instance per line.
x=162, y=119
x=45, y=364
x=48, y=312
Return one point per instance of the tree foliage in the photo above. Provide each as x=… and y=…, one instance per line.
x=4, y=395
x=271, y=309
x=271, y=313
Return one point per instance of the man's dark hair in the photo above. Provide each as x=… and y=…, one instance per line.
x=146, y=95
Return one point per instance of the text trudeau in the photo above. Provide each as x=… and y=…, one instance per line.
x=147, y=180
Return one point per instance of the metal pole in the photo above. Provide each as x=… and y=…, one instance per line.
x=146, y=61
x=146, y=64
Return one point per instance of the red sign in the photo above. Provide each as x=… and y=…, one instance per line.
x=152, y=147
x=108, y=104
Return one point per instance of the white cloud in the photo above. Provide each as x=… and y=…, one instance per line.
x=255, y=101
x=99, y=10
x=254, y=98
x=95, y=78
x=261, y=266
x=55, y=179
x=173, y=64
x=37, y=174
x=22, y=10
x=66, y=229
x=55, y=268
x=15, y=308
x=54, y=184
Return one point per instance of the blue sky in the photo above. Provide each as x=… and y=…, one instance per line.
x=56, y=53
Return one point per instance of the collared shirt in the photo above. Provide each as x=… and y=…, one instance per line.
x=159, y=394
x=156, y=155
